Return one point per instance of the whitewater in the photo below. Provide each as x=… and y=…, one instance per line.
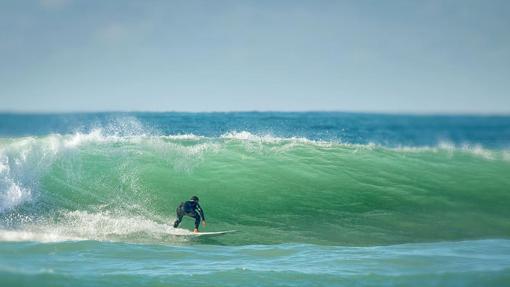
x=318, y=199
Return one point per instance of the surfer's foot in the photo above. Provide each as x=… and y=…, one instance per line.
x=195, y=230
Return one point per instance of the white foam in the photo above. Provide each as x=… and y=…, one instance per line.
x=506, y=155
x=22, y=162
x=247, y=136
x=79, y=138
x=450, y=148
x=100, y=226
x=22, y=235
x=478, y=150
x=13, y=195
x=184, y=137
x=267, y=138
x=104, y=225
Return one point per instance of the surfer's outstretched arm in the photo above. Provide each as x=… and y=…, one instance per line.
x=201, y=211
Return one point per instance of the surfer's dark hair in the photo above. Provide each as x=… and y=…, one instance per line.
x=194, y=198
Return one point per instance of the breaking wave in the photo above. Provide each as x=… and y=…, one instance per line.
x=106, y=185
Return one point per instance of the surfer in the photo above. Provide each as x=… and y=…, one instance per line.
x=190, y=209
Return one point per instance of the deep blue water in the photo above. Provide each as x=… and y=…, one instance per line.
x=355, y=128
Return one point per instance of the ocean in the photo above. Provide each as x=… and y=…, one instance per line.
x=316, y=198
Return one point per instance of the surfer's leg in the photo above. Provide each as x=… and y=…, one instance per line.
x=180, y=214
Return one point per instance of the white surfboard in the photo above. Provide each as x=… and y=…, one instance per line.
x=203, y=234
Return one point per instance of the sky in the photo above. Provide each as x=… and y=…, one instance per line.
x=450, y=56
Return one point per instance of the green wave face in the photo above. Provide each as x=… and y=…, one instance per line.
x=271, y=191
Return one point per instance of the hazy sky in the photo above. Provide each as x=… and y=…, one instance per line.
x=384, y=56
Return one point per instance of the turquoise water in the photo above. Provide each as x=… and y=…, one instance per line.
x=92, y=263
x=320, y=199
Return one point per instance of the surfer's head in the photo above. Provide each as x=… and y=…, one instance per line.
x=194, y=198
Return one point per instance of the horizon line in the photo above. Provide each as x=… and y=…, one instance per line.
x=375, y=112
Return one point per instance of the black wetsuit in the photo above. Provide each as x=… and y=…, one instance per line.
x=189, y=208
